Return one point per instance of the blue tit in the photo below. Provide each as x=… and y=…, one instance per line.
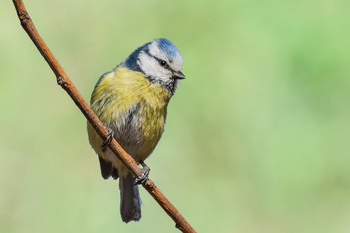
x=131, y=101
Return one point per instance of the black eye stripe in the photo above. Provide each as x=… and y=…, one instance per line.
x=166, y=66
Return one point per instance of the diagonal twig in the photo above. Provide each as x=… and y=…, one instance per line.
x=67, y=85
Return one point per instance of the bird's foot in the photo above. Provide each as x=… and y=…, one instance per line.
x=144, y=174
x=108, y=140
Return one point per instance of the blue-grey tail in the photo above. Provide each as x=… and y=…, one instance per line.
x=130, y=202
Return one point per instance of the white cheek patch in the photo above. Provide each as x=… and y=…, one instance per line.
x=146, y=63
x=151, y=67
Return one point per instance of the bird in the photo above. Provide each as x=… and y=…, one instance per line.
x=131, y=101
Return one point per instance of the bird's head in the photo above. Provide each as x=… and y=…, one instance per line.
x=160, y=61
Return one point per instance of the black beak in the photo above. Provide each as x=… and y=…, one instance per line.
x=178, y=75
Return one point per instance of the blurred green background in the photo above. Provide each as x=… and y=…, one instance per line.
x=257, y=136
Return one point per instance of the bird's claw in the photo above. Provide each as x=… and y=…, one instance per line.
x=108, y=140
x=144, y=174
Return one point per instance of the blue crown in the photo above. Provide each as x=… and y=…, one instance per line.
x=168, y=47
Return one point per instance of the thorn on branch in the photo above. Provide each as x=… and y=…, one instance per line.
x=24, y=17
x=179, y=227
x=148, y=184
x=61, y=81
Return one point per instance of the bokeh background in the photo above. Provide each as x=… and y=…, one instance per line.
x=257, y=136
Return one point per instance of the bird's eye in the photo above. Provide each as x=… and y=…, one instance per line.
x=162, y=63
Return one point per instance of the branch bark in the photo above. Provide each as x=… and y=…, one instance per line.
x=67, y=85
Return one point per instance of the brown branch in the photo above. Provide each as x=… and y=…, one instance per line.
x=67, y=85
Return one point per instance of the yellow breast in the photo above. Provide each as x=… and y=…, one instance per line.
x=117, y=93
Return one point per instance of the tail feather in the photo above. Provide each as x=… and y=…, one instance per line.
x=106, y=168
x=130, y=202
